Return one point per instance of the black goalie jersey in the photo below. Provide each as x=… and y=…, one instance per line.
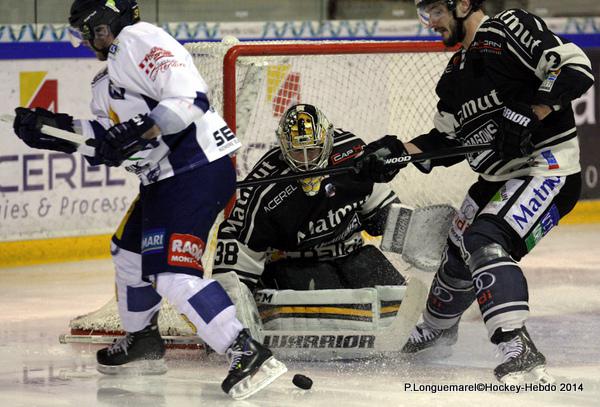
x=514, y=58
x=275, y=221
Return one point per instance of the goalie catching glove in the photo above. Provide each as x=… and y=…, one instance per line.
x=28, y=124
x=381, y=159
x=514, y=139
x=125, y=139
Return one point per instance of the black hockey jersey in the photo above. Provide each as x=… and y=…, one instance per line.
x=274, y=221
x=514, y=58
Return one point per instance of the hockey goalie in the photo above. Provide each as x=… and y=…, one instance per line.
x=292, y=254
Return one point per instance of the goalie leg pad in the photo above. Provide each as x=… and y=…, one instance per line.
x=206, y=306
x=246, y=310
x=390, y=300
x=137, y=300
x=343, y=309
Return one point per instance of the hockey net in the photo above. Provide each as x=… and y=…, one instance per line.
x=369, y=88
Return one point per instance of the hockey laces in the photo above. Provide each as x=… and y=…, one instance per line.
x=234, y=356
x=511, y=349
x=423, y=333
x=121, y=345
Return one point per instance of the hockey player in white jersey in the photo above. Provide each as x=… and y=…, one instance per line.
x=510, y=84
x=153, y=117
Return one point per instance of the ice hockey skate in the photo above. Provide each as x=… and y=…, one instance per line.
x=138, y=353
x=425, y=337
x=253, y=367
x=522, y=362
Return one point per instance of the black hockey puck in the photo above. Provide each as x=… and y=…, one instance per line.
x=302, y=381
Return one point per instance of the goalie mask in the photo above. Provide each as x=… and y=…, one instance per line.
x=93, y=18
x=306, y=139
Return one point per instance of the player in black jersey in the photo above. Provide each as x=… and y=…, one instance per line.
x=306, y=234
x=511, y=84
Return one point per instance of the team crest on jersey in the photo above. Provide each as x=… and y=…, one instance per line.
x=186, y=251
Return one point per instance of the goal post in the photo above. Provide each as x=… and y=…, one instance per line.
x=370, y=88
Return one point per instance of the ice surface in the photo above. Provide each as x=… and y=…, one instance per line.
x=36, y=304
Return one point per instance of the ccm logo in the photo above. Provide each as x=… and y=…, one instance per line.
x=395, y=160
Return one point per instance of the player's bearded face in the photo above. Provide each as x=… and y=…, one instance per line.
x=441, y=20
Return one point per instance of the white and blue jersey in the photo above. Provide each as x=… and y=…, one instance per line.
x=149, y=72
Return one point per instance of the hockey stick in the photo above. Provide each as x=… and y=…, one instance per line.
x=74, y=138
x=395, y=162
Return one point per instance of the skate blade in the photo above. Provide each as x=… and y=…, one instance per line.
x=536, y=375
x=540, y=375
x=441, y=350
x=269, y=371
x=135, y=368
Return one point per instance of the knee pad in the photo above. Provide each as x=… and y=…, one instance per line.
x=488, y=254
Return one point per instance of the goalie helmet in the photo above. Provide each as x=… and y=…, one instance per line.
x=87, y=15
x=306, y=139
x=424, y=8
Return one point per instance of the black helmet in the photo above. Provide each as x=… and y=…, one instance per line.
x=87, y=14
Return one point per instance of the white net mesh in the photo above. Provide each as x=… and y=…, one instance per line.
x=371, y=94
x=105, y=321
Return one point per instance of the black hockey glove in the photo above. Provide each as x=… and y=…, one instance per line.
x=380, y=159
x=514, y=138
x=28, y=123
x=124, y=140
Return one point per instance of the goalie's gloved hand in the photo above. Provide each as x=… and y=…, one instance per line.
x=28, y=123
x=380, y=159
x=125, y=139
x=514, y=138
